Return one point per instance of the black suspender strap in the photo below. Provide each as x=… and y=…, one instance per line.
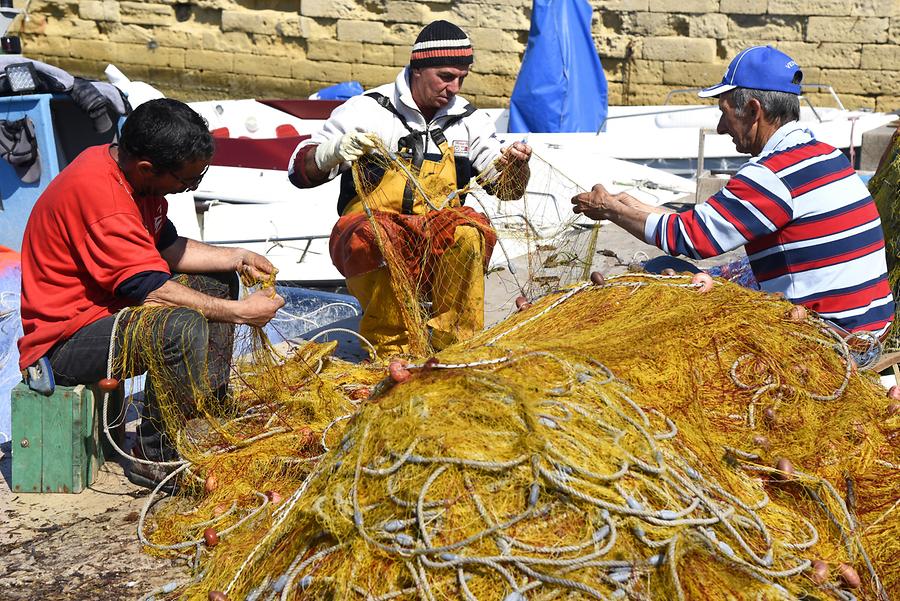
x=385, y=103
x=437, y=132
x=416, y=141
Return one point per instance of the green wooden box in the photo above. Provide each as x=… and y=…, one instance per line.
x=56, y=439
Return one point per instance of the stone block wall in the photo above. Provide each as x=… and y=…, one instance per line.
x=199, y=49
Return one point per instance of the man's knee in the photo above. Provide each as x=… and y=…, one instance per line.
x=466, y=235
x=185, y=329
x=468, y=241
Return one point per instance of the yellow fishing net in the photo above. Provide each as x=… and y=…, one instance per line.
x=634, y=439
x=626, y=438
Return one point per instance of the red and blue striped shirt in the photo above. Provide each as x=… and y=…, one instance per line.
x=808, y=224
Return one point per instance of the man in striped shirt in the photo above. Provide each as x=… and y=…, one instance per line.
x=806, y=220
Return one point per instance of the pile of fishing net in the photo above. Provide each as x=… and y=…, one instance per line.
x=630, y=438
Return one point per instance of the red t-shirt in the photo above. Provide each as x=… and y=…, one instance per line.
x=86, y=235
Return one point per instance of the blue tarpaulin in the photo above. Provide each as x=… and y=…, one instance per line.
x=339, y=91
x=10, y=331
x=561, y=86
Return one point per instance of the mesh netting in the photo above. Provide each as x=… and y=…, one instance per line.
x=633, y=439
x=621, y=438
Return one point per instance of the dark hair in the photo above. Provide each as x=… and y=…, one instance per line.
x=168, y=133
x=778, y=107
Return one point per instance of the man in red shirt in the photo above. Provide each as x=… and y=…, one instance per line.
x=98, y=240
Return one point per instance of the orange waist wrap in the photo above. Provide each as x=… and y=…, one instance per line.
x=416, y=239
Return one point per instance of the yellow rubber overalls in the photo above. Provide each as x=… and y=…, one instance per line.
x=457, y=283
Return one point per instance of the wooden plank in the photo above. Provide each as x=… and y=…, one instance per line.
x=81, y=421
x=57, y=430
x=886, y=361
x=27, y=439
x=63, y=453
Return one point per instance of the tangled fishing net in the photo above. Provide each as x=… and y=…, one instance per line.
x=629, y=438
x=632, y=439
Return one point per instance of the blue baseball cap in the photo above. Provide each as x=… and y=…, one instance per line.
x=759, y=68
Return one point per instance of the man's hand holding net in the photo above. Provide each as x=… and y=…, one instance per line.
x=344, y=149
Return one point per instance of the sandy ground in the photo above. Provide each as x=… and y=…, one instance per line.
x=85, y=546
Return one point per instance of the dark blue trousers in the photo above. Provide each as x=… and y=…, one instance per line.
x=188, y=345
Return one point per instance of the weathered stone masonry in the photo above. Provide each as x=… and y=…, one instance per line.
x=277, y=48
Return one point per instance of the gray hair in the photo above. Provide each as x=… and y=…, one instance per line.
x=778, y=107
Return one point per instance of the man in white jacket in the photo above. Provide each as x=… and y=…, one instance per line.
x=447, y=141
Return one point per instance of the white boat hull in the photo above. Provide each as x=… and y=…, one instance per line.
x=259, y=209
x=262, y=211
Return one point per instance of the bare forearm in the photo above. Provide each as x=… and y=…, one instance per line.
x=630, y=219
x=633, y=202
x=173, y=294
x=191, y=256
x=315, y=175
x=621, y=209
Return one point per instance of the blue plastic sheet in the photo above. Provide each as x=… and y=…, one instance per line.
x=306, y=310
x=340, y=91
x=10, y=331
x=561, y=86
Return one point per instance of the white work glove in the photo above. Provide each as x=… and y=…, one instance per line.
x=347, y=148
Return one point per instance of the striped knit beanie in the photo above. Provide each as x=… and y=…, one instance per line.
x=439, y=44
